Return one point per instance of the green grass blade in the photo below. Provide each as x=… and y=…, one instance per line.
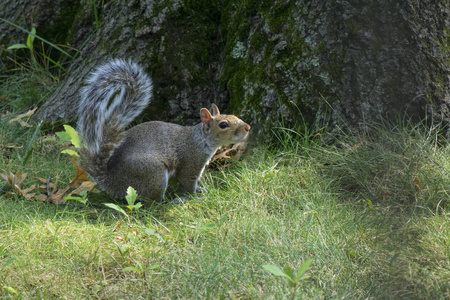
x=30, y=38
x=17, y=46
x=55, y=63
x=30, y=145
x=132, y=269
x=38, y=37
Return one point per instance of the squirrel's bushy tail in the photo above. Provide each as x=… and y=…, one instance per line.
x=115, y=93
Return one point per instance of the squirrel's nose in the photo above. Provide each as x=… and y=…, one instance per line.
x=247, y=127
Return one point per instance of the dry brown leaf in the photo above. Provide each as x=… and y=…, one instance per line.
x=85, y=186
x=58, y=197
x=226, y=154
x=80, y=174
x=384, y=193
x=13, y=179
x=20, y=117
x=118, y=226
x=7, y=113
x=8, y=177
x=10, y=148
x=26, y=191
x=417, y=184
x=41, y=179
x=50, y=184
x=53, y=194
x=80, y=183
x=4, y=177
x=42, y=197
x=29, y=196
x=24, y=124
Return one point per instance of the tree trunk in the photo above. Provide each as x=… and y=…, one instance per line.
x=268, y=61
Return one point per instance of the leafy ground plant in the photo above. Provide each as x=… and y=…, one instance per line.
x=131, y=197
x=292, y=277
x=45, y=60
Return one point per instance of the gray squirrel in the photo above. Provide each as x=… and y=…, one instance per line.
x=147, y=155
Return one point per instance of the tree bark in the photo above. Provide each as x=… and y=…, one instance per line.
x=332, y=62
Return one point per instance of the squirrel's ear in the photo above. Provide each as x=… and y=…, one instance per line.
x=205, y=115
x=215, y=110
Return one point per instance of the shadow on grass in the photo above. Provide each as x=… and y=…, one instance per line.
x=398, y=179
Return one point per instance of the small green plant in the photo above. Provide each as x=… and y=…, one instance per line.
x=130, y=239
x=131, y=199
x=152, y=232
x=217, y=224
x=293, y=278
x=83, y=199
x=69, y=135
x=44, y=61
x=140, y=268
x=28, y=45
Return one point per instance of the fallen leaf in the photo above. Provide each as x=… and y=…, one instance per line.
x=80, y=174
x=118, y=226
x=20, y=117
x=384, y=193
x=13, y=179
x=85, y=186
x=58, y=197
x=42, y=197
x=417, y=184
x=7, y=113
x=10, y=148
x=225, y=155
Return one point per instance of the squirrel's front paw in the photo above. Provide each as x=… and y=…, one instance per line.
x=201, y=189
x=178, y=200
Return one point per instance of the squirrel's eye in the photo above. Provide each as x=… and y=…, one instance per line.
x=223, y=125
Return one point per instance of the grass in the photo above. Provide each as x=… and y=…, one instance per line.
x=371, y=210
x=23, y=90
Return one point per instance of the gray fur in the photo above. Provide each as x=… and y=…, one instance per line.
x=114, y=94
x=145, y=156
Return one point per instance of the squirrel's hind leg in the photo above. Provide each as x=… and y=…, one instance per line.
x=148, y=178
x=157, y=184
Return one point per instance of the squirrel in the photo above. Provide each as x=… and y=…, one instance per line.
x=147, y=155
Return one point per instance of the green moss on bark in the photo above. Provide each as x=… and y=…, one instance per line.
x=272, y=66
